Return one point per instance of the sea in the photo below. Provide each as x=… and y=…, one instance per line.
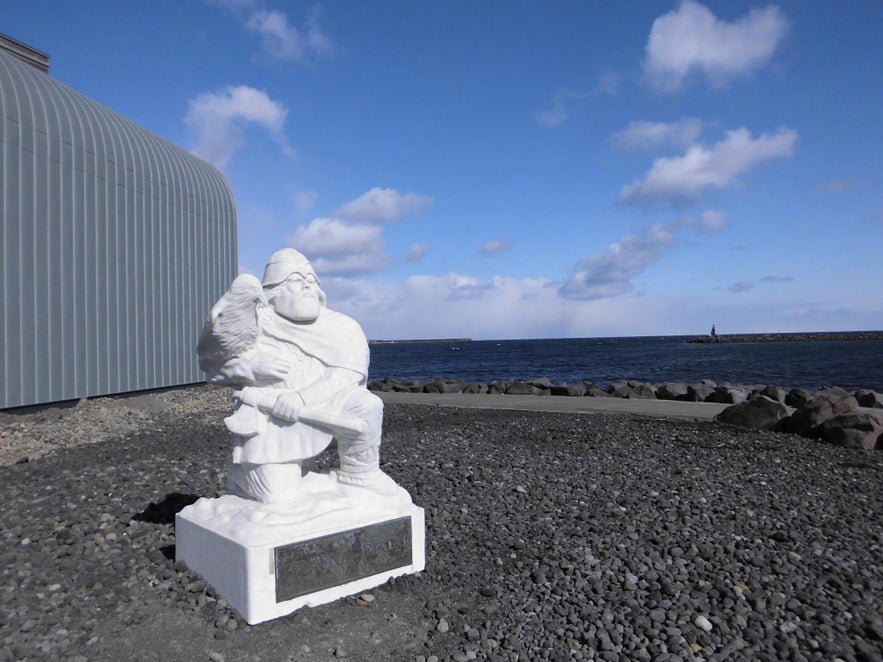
x=810, y=364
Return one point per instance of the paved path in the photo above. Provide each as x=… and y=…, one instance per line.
x=657, y=408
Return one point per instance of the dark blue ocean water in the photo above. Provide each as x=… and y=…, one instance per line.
x=851, y=364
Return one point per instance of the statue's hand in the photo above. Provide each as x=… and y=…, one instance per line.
x=288, y=406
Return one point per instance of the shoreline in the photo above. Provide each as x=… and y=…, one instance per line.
x=821, y=336
x=549, y=536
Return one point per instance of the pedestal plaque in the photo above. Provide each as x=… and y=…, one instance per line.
x=340, y=558
x=267, y=568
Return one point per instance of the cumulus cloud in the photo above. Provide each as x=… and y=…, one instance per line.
x=337, y=248
x=642, y=135
x=330, y=237
x=304, y=201
x=843, y=185
x=610, y=273
x=384, y=205
x=561, y=108
x=692, y=39
x=609, y=84
x=351, y=242
x=709, y=221
x=283, y=41
x=740, y=286
x=565, y=101
x=495, y=247
x=280, y=39
x=218, y=120
x=700, y=168
x=416, y=252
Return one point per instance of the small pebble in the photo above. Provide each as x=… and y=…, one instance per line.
x=703, y=623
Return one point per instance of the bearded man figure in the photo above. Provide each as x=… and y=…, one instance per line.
x=304, y=370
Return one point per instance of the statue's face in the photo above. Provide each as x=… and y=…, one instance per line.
x=297, y=298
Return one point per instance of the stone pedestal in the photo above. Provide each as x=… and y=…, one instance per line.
x=269, y=560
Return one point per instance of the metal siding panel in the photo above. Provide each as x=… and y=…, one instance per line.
x=5, y=248
x=122, y=267
x=95, y=210
x=56, y=275
x=12, y=265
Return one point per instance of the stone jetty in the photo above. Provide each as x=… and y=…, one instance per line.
x=848, y=419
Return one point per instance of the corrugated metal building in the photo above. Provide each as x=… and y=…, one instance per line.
x=114, y=244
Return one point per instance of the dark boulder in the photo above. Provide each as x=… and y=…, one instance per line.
x=857, y=428
x=807, y=420
x=643, y=390
x=728, y=395
x=758, y=412
x=523, y=388
x=475, y=388
x=498, y=386
x=571, y=390
x=440, y=386
x=631, y=390
x=868, y=398
x=797, y=397
x=776, y=393
x=594, y=391
x=672, y=391
x=698, y=392
x=541, y=382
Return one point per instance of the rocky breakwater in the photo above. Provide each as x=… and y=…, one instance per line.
x=848, y=419
x=789, y=337
x=851, y=420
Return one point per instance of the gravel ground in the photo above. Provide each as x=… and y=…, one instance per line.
x=549, y=537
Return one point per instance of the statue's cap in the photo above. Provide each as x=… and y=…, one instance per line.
x=284, y=263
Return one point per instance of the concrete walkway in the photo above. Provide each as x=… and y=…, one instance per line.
x=561, y=403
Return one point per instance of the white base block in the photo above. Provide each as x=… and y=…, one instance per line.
x=247, y=550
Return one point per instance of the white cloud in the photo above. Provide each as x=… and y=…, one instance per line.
x=336, y=248
x=354, y=245
x=458, y=305
x=709, y=221
x=776, y=279
x=495, y=247
x=700, y=168
x=653, y=135
x=218, y=120
x=843, y=185
x=610, y=273
x=740, y=286
x=330, y=237
x=356, y=264
x=385, y=205
x=690, y=38
x=609, y=84
x=304, y=201
x=283, y=41
x=554, y=115
x=416, y=252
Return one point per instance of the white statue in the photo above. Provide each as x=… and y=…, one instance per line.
x=303, y=369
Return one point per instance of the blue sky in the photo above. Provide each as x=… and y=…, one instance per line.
x=522, y=169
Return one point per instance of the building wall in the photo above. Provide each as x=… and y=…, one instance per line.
x=114, y=246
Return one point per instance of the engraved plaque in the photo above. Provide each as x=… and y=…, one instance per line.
x=319, y=563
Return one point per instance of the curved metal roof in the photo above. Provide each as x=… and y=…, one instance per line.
x=114, y=245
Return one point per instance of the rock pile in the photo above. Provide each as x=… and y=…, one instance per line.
x=851, y=420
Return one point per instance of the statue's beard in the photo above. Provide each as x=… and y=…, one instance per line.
x=303, y=308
